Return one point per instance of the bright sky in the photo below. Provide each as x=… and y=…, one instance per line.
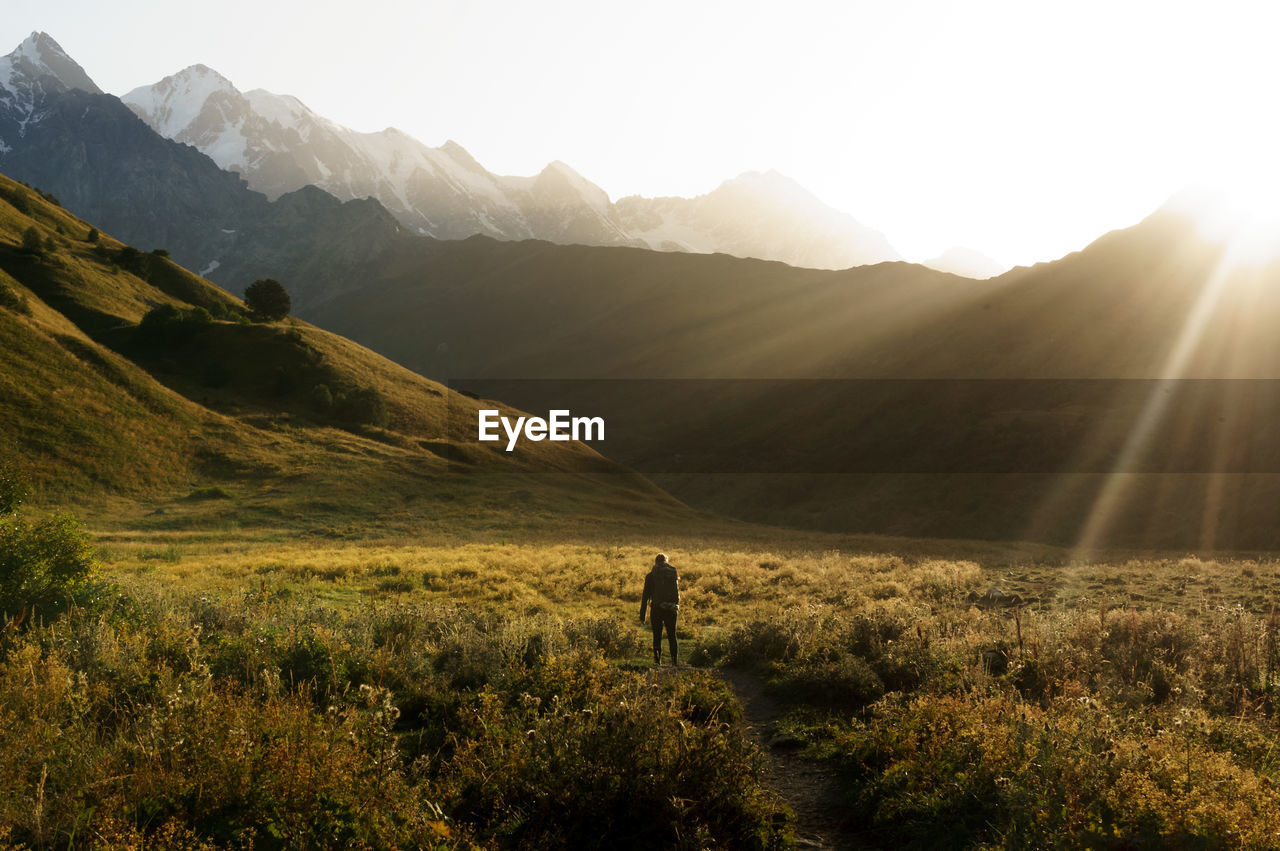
x=1022, y=129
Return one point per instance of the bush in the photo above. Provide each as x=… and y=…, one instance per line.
x=92, y=236
x=321, y=399
x=211, y=492
x=10, y=299
x=32, y=243
x=20, y=201
x=41, y=563
x=846, y=682
x=576, y=736
x=166, y=325
x=14, y=489
x=132, y=260
x=364, y=406
x=267, y=300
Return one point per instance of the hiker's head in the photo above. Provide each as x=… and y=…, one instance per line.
x=660, y=558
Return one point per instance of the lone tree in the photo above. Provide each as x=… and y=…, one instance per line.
x=267, y=300
x=31, y=242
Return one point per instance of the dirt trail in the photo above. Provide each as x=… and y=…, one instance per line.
x=811, y=789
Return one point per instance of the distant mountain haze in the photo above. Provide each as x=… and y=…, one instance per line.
x=766, y=216
x=966, y=262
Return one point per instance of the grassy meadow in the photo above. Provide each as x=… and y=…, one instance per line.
x=275, y=688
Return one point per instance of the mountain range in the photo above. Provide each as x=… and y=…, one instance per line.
x=280, y=145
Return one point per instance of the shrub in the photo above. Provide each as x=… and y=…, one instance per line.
x=212, y=492
x=92, y=236
x=14, y=489
x=41, y=563
x=364, y=406
x=132, y=260
x=167, y=325
x=576, y=736
x=760, y=642
x=395, y=586
x=32, y=243
x=20, y=201
x=846, y=682
x=10, y=299
x=321, y=399
x=267, y=300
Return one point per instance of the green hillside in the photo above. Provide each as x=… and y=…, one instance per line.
x=130, y=385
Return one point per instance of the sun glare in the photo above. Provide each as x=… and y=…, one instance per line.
x=1243, y=215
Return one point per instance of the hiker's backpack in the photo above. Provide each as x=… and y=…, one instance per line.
x=666, y=585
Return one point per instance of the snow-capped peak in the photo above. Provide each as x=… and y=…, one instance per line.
x=279, y=145
x=40, y=64
x=172, y=104
x=581, y=188
x=771, y=185
x=285, y=110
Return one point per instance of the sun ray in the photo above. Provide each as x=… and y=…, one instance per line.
x=1118, y=482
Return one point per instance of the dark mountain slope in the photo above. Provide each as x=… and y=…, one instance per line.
x=534, y=310
x=908, y=433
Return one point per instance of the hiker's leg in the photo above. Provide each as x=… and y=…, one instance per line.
x=671, y=637
x=656, y=620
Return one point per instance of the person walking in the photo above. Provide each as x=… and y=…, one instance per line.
x=662, y=587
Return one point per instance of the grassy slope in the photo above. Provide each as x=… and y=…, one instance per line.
x=114, y=426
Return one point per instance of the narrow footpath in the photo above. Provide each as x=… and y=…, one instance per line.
x=811, y=789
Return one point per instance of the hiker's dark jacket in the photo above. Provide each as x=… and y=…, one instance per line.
x=662, y=586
